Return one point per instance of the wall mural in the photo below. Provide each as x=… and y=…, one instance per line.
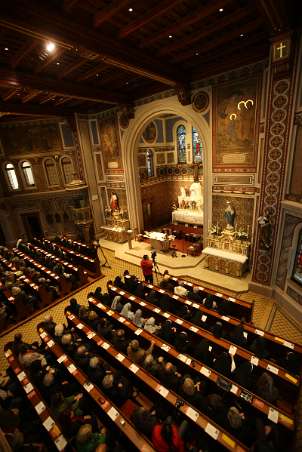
x=110, y=147
x=150, y=133
x=30, y=138
x=234, y=128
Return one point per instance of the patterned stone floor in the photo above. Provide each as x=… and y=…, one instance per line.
x=264, y=308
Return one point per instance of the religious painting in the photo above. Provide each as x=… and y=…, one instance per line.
x=109, y=141
x=234, y=131
x=150, y=133
x=28, y=137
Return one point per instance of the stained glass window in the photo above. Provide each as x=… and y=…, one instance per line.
x=149, y=163
x=197, y=146
x=12, y=177
x=297, y=270
x=181, y=144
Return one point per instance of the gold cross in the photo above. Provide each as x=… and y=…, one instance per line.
x=280, y=48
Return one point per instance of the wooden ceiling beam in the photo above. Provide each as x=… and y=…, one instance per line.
x=238, y=49
x=230, y=63
x=62, y=101
x=31, y=109
x=76, y=90
x=50, y=59
x=41, y=22
x=92, y=72
x=25, y=50
x=71, y=68
x=221, y=39
x=274, y=13
x=105, y=14
x=196, y=36
x=69, y=4
x=158, y=10
x=11, y=93
x=197, y=15
x=31, y=95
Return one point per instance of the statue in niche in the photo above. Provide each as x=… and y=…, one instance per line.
x=229, y=215
x=114, y=203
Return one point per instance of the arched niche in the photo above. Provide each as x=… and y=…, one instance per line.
x=130, y=141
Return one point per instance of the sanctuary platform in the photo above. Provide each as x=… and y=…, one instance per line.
x=188, y=266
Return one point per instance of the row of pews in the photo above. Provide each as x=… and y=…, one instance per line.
x=63, y=275
x=154, y=391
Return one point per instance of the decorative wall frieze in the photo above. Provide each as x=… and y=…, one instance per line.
x=274, y=163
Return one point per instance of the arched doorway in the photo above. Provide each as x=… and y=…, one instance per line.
x=130, y=139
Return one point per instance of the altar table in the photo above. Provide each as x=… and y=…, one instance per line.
x=227, y=262
x=187, y=216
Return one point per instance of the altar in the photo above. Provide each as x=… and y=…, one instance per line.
x=188, y=216
x=226, y=262
x=190, y=205
x=159, y=241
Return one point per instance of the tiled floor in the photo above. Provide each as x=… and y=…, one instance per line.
x=262, y=308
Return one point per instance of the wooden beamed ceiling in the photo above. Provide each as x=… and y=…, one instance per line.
x=110, y=54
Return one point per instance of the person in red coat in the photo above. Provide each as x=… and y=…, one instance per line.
x=147, y=266
x=166, y=437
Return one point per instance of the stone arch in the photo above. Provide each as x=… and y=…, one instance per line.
x=129, y=142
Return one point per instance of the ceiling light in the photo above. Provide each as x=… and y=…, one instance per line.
x=97, y=75
x=170, y=36
x=220, y=10
x=127, y=83
x=50, y=46
x=6, y=49
x=58, y=63
x=241, y=35
x=130, y=10
x=196, y=53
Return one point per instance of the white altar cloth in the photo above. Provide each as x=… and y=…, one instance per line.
x=159, y=241
x=242, y=258
x=187, y=216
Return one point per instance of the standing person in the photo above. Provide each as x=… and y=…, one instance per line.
x=146, y=266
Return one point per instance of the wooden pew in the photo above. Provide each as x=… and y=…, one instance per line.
x=290, y=382
x=65, y=286
x=105, y=405
x=206, y=424
x=78, y=246
x=37, y=289
x=280, y=416
x=92, y=265
x=51, y=426
x=77, y=271
x=240, y=308
x=278, y=346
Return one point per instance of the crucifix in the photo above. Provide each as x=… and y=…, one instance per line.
x=280, y=49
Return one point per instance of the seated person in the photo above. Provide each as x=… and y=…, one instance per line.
x=180, y=290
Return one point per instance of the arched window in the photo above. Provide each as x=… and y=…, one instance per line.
x=297, y=268
x=67, y=168
x=149, y=163
x=12, y=176
x=51, y=172
x=197, y=146
x=28, y=173
x=181, y=143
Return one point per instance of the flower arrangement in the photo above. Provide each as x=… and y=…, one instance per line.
x=241, y=235
x=214, y=229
